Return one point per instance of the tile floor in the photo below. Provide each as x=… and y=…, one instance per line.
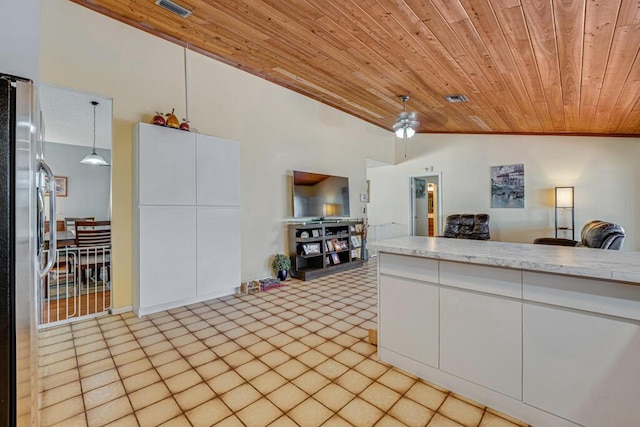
x=296, y=355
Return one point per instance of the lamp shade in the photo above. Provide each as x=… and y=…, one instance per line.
x=94, y=159
x=564, y=197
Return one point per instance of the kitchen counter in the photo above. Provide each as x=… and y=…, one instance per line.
x=547, y=334
x=582, y=262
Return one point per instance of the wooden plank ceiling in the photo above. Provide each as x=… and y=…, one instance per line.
x=527, y=66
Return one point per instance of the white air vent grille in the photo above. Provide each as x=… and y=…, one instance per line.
x=456, y=98
x=173, y=8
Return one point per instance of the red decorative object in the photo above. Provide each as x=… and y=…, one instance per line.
x=184, y=125
x=158, y=119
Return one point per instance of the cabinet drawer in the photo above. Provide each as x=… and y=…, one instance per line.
x=410, y=267
x=492, y=280
x=598, y=296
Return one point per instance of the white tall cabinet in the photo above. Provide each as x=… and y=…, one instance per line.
x=186, y=218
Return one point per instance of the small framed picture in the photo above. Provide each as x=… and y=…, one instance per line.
x=61, y=186
x=352, y=228
x=304, y=234
x=354, y=254
x=328, y=245
x=336, y=244
x=358, y=228
x=355, y=241
x=328, y=260
x=315, y=232
x=335, y=258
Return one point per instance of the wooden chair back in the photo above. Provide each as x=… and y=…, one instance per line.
x=70, y=223
x=93, y=233
x=59, y=226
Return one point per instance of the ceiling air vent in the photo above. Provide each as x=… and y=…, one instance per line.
x=456, y=98
x=173, y=8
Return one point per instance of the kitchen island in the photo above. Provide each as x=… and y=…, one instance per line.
x=547, y=334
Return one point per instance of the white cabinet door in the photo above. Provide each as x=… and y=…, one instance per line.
x=409, y=318
x=166, y=166
x=481, y=340
x=167, y=254
x=218, y=176
x=582, y=367
x=218, y=250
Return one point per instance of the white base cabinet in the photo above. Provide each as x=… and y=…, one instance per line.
x=186, y=218
x=549, y=349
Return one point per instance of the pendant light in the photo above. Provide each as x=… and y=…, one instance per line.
x=406, y=123
x=94, y=158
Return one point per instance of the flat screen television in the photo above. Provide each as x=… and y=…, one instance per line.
x=320, y=196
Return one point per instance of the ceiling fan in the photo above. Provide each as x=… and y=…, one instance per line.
x=406, y=123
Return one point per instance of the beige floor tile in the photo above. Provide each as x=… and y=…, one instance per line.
x=371, y=368
x=57, y=357
x=176, y=332
x=334, y=397
x=380, y=396
x=88, y=358
x=310, y=413
x=349, y=358
x=109, y=412
x=507, y=417
x=79, y=420
x=158, y=413
x=209, y=413
x=260, y=413
x=252, y=369
x=336, y=421
x=491, y=420
x=426, y=395
x=98, y=380
x=329, y=348
x=201, y=358
x=268, y=382
x=212, y=369
x=165, y=357
x=389, y=421
x=294, y=349
x=56, y=348
x=57, y=380
x=461, y=412
x=104, y=394
x=174, y=368
x=141, y=380
x=360, y=413
x=260, y=348
x=312, y=340
x=119, y=339
x=134, y=368
x=354, y=381
x=291, y=369
x=190, y=349
x=124, y=348
x=280, y=340
x=96, y=367
x=283, y=421
x=312, y=358
x=287, y=397
x=60, y=411
x=183, y=381
x=149, y=395
x=411, y=413
x=225, y=382
x=275, y=358
x=396, y=381
x=157, y=348
x=58, y=394
x=58, y=367
x=442, y=421
x=194, y=396
x=311, y=382
x=240, y=397
x=151, y=339
x=179, y=421
x=231, y=421
x=345, y=340
x=132, y=356
x=225, y=348
x=238, y=358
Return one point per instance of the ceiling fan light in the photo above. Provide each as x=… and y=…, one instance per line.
x=410, y=132
x=406, y=123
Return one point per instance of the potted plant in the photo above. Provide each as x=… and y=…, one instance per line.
x=281, y=264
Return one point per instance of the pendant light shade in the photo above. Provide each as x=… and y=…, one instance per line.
x=406, y=123
x=94, y=158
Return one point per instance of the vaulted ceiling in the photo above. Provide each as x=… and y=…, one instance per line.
x=527, y=66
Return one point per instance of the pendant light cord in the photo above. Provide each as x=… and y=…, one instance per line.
x=94, y=103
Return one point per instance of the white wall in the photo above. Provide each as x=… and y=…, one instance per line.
x=603, y=171
x=20, y=36
x=278, y=130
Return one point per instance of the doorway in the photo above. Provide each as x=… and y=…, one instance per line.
x=425, y=204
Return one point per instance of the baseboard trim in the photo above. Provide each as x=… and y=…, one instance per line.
x=121, y=310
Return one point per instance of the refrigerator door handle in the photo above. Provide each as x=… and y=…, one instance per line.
x=53, y=232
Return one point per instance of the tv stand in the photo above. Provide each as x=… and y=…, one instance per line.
x=325, y=247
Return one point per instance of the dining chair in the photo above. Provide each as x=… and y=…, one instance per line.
x=93, y=244
x=70, y=223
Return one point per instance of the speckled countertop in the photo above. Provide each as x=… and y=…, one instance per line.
x=583, y=262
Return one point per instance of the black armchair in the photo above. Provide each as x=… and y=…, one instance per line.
x=467, y=226
x=594, y=234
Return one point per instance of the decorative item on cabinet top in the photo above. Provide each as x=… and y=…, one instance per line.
x=171, y=121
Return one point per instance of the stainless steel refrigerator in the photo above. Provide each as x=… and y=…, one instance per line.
x=21, y=246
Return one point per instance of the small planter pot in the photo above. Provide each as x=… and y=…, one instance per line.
x=282, y=275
